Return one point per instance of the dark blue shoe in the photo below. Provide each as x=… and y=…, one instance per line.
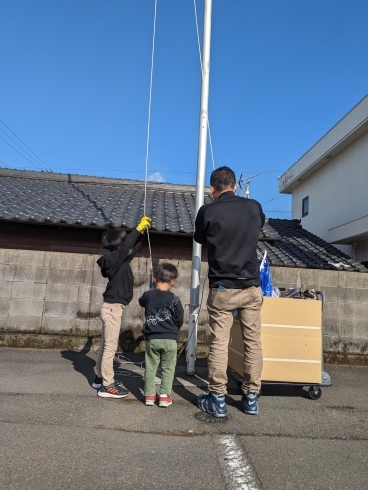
x=213, y=404
x=250, y=403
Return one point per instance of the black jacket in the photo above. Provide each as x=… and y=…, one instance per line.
x=116, y=267
x=230, y=226
x=164, y=314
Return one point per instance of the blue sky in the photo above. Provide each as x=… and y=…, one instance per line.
x=74, y=85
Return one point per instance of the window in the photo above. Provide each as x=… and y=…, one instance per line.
x=305, y=206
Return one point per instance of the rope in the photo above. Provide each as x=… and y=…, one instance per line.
x=199, y=310
x=149, y=106
x=125, y=372
x=200, y=60
x=147, y=154
x=148, y=134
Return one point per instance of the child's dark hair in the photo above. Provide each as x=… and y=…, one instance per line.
x=165, y=272
x=112, y=238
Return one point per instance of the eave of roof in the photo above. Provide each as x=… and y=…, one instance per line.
x=350, y=128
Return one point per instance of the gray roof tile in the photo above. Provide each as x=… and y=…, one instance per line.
x=83, y=201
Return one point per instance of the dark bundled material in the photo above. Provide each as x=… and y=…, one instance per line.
x=298, y=293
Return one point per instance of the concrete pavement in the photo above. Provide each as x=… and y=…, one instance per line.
x=56, y=433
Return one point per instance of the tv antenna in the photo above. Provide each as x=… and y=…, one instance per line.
x=246, y=182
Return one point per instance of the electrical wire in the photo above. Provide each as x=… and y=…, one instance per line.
x=30, y=156
x=21, y=154
x=6, y=165
x=46, y=166
x=116, y=169
x=143, y=171
x=277, y=196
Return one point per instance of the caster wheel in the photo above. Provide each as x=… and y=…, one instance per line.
x=313, y=394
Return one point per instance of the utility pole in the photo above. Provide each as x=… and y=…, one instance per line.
x=199, y=200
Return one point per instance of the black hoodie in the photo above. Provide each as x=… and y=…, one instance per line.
x=116, y=267
x=230, y=226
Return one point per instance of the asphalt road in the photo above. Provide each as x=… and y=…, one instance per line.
x=57, y=434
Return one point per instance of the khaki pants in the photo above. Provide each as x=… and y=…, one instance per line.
x=220, y=305
x=111, y=322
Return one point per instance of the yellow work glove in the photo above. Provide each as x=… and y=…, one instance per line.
x=144, y=223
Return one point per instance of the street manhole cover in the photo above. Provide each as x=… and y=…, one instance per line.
x=206, y=418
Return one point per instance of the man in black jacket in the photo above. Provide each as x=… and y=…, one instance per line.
x=230, y=226
x=118, y=294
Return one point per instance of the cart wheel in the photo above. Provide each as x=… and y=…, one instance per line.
x=314, y=393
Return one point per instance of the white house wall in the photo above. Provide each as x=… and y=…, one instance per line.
x=338, y=199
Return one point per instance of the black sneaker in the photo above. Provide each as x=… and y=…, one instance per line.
x=115, y=390
x=97, y=382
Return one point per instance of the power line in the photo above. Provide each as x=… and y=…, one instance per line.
x=277, y=196
x=47, y=167
x=21, y=154
x=6, y=165
x=143, y=171
x=11, y=139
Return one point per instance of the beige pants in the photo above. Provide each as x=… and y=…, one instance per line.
x=220, y=305
x=111, y=322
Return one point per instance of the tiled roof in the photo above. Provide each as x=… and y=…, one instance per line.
x=86, y=201
x=297, y=247
x=82, y=201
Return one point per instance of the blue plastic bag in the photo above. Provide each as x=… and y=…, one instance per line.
x=265, y=276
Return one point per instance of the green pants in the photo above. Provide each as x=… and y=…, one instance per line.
x=158, y=351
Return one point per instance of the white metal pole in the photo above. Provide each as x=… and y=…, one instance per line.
x=201, y=168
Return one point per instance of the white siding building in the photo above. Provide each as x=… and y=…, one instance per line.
x=329, y=185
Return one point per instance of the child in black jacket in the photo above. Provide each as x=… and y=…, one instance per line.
x=164, y=316
x=118, y=294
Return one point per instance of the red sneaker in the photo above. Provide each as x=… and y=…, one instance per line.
x=150, y=399
x=165, y=401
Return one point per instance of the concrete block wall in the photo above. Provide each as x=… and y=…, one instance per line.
x=53, y=299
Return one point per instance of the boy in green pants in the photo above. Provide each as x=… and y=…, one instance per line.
x=164, y=316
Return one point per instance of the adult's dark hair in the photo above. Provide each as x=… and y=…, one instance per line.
x=222, y=178
x=113, y=237
x=165, y=272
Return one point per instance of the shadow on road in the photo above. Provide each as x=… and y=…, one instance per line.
x=129, y=369
x=82, y=363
